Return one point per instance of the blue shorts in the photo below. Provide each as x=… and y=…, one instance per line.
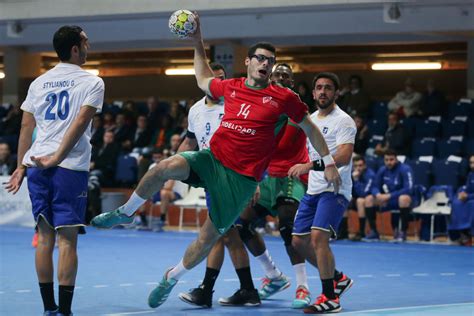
x=393, y=205
x=319, y=211
x=59, y=196
x=157, y=197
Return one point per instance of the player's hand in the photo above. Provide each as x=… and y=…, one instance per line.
x=14, y=183
x=256, y=196
x=196, y=36
x=45, y=161
x=462, y=196
x=299, y=169
x=332, y=176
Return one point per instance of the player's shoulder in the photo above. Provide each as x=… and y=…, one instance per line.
x=197, y=106
x=369, y=173
x=404, y=167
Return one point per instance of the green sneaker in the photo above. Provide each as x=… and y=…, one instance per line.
x=273, y=286
x=302, y=299
x=111, y=219
x=160, y=293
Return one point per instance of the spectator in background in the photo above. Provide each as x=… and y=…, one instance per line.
x=97, y=131
x=462, y=212
x=176, y=113
x=131, y=112
x=306, y=96
x=182, y=127
x=11, y=123
x=104, y=158
x=141, y=136
x=392, y=190
x=175, y=141
x=7, y=161
x=354, y=99
x=108, y=121
x=433, y=102
x=395, y=137
x=362, y=136
x=163, y=134
x=121, y=130
x=406, y=103
x=153, y=115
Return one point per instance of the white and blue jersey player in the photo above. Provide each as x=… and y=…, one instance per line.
x=60, y=104
x=321, y=209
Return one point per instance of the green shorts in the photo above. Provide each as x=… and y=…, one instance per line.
x=229, y=191
x=272, y=189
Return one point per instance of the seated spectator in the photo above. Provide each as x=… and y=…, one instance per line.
x=7, y=162
x=108, y=121
x=141, y=136
x=395, y=137
x=406, y=103
x=175, y=141
x=153, y=116
x=392, y=190
x=304, y=92
x=97, y=131
x=362, y=198
x=163, y=134
x=362, y=136
x=11, y=123
x=354, y=99
x=172, y=190
x=131, y=112
x=433, y=102
x=121, y=130
x=462, y=212
x=104, y=158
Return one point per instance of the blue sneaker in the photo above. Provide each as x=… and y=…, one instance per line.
x=111, y=219
x=160, y=293
x=302, y=299
x=59, y=314
x=372, y=236
x=51, y=313
x=273, y=286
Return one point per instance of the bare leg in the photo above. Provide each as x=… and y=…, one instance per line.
x=67, y=263
x=215, y=259
x=236, y=247
x=286, y=214
x=44, y=252
x=201, y=247
x=302, y=244
x=255, y=244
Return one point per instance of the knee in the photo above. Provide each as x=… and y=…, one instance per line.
x=369, y=200
x=286, y=230
x=360, y=202
x=246, y=231
x=404, y=200
x=298, y=243
x=319, y=239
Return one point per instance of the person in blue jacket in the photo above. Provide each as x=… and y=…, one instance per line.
x=392, y=189
x=462, y=211
x=362, y=198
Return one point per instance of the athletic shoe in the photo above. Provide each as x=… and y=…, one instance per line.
x=34, y=241
x=198, y=297
x=343, y=285
x=273, y=286
x=159, y=295
x=400, y=237
x=356, y=237
x=372, y=236
x=302, y=299
x=59, y=314
x=242, y=297
x=51, y=313
x=111, y=219
x=323, y=305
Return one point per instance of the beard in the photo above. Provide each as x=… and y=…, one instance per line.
x=325, y=104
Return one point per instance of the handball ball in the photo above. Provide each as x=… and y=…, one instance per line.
x=182, y=23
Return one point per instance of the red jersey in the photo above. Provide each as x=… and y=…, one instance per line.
x=291, y=150
x=253, y=118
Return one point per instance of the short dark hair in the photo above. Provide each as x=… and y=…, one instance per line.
x=263, y=45
x=66, y=38
x=328, y=75
x=356, y=77
x=283, y=65
x=217, y=66
x=390, y=152
x=358, y=158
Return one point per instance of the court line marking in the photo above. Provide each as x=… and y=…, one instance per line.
x=23, y=291
x=471, y=273
x=420, y=274
x=99, y=286
x=1, y=292
x=408, y=308
x=365, y=276
x=393, y=275
x=152, y=283
x=126, y=284
x=130, y=313
x=231, y=280
x=447, y=273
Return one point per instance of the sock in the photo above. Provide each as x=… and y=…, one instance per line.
x=271, y=271
x=371, y=216
x=132, y=205
x=144, y=219
x=362, y=226
x=210, y=279
x=47, y=294
x=328, y=288
x=245, y=278
x=163, y=217
x=300, y=272
x=66, y=293
x=343, y=232
x=338, y=275
x=178, y=271
x=405, y=216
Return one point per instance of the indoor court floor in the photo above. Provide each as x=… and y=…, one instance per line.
x=118, y=268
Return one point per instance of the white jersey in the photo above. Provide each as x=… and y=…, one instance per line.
x=204, y=121
x=337, y=128
x=55, y=99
